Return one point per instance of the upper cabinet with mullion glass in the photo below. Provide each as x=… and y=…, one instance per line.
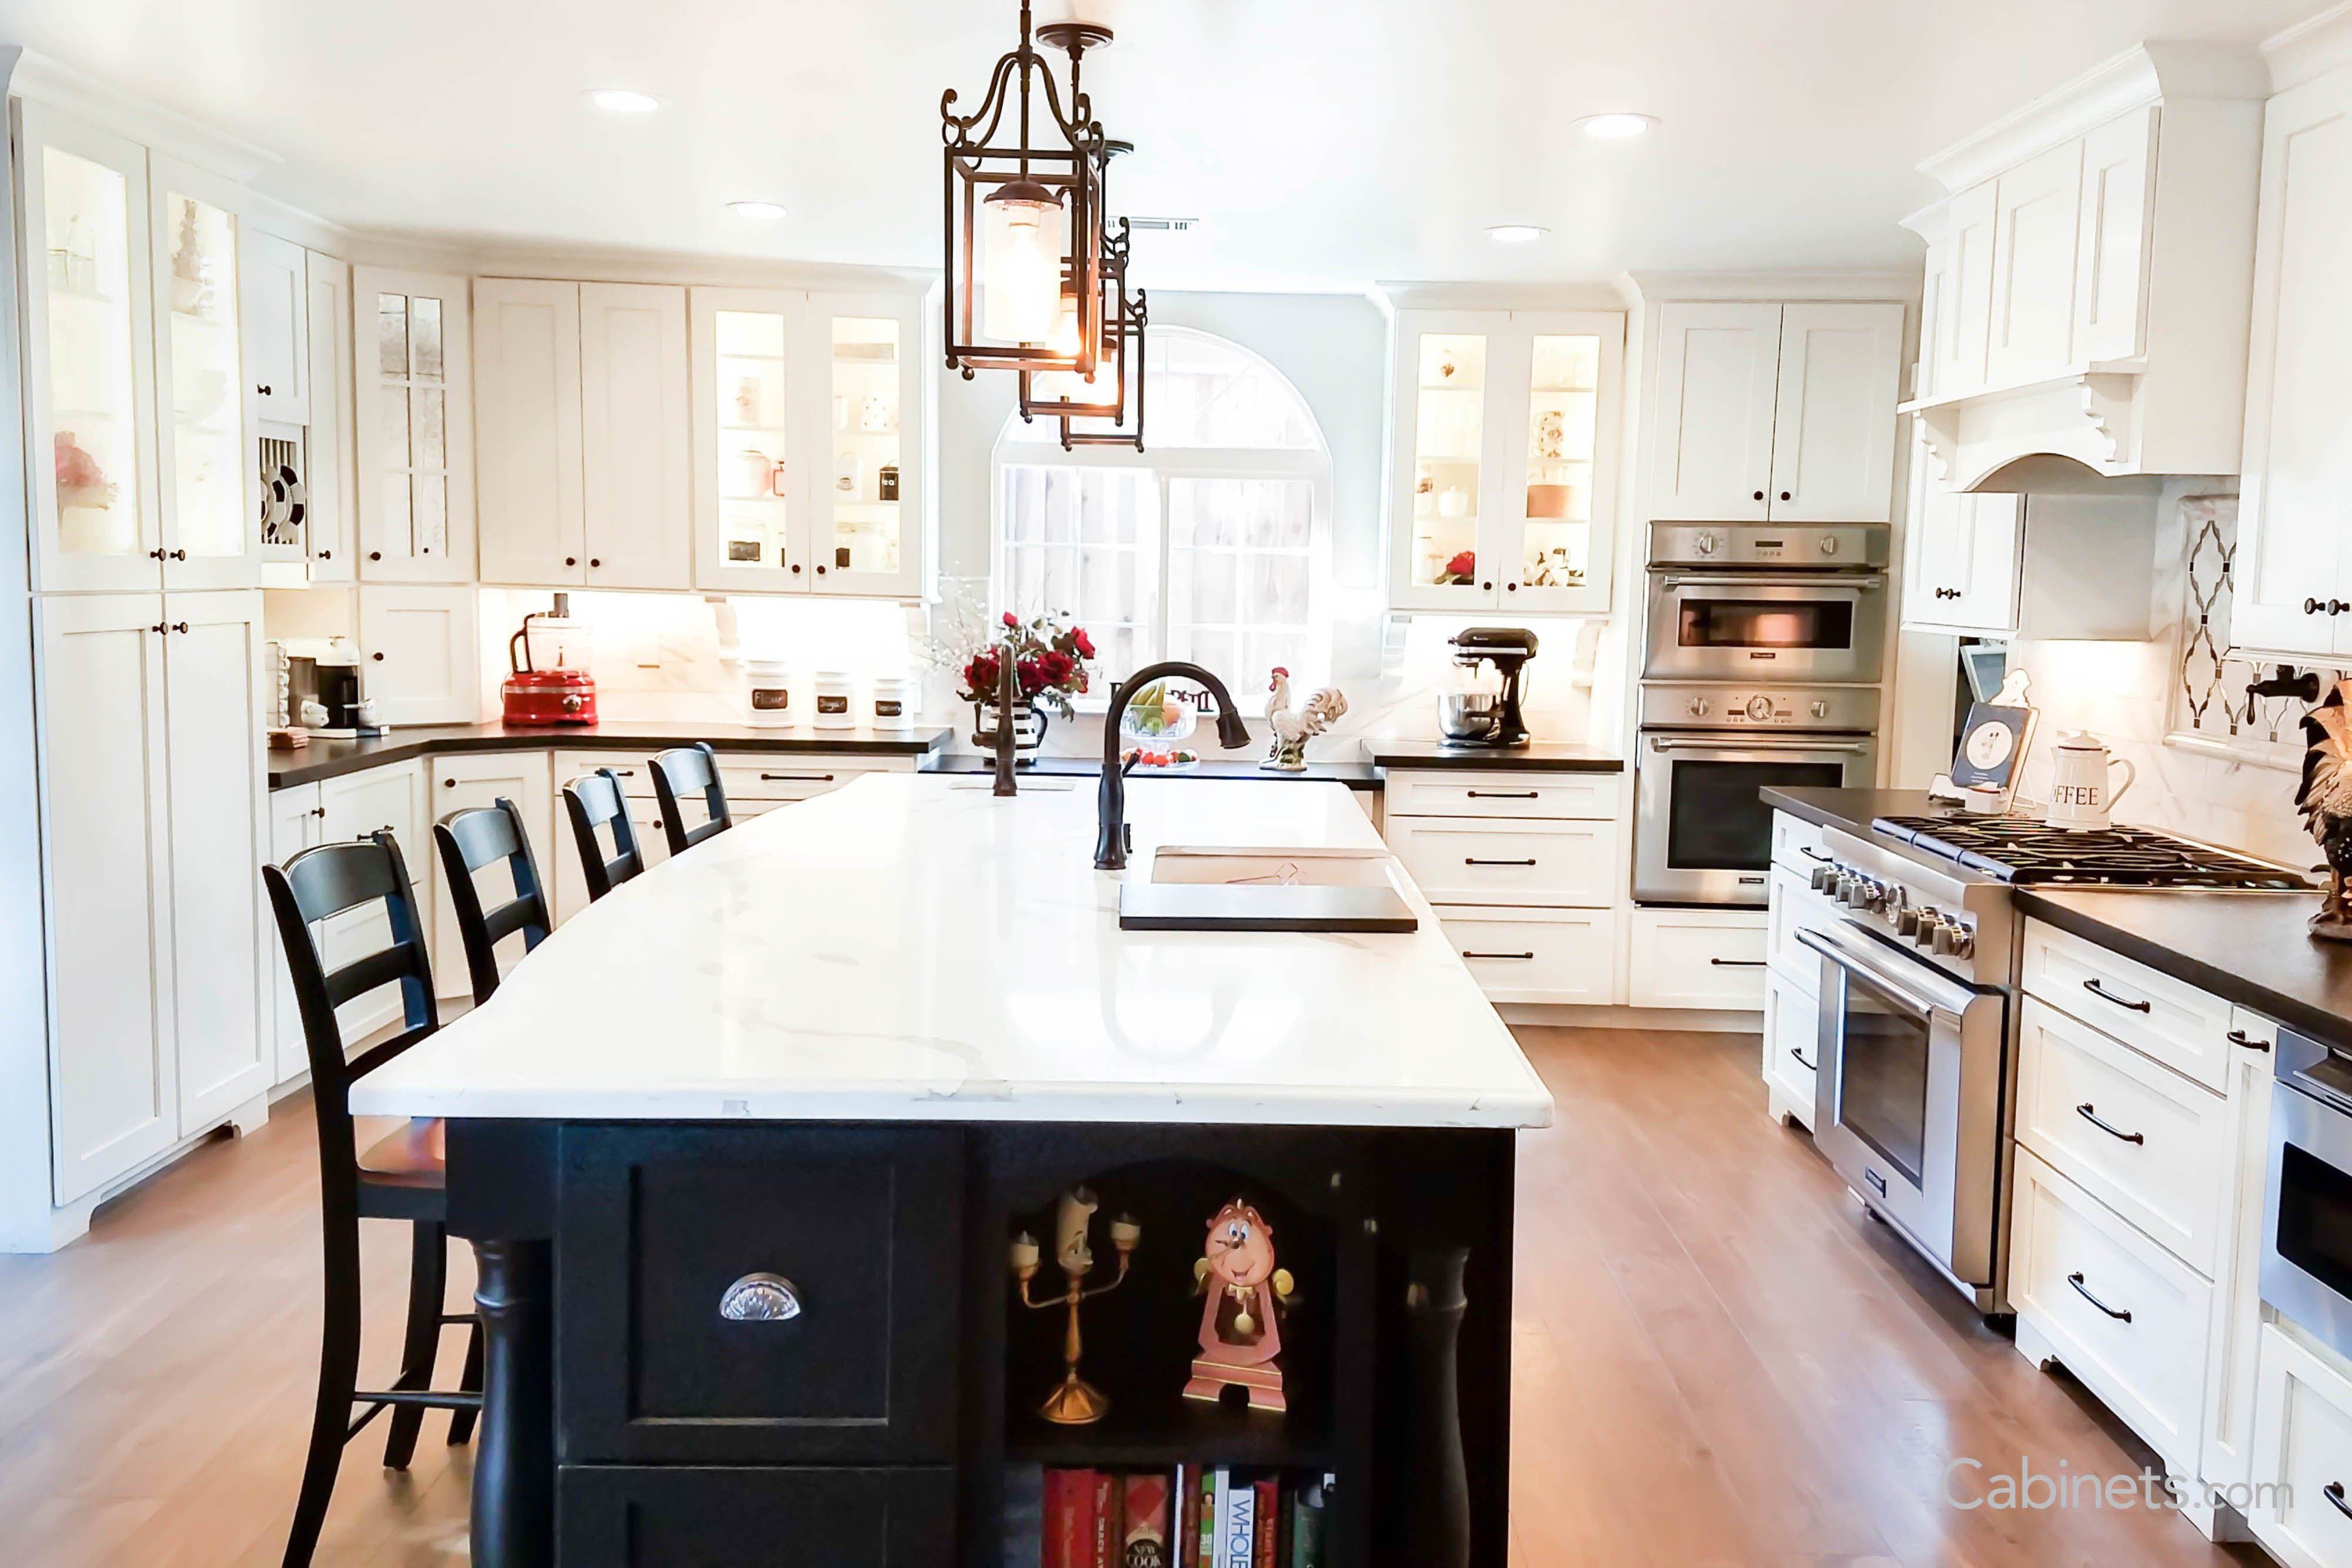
x=90, y=352
x=210, y=492
x=1503, y=479
x=750, y=495
x=412, y=398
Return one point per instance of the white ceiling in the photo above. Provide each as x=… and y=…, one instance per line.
x=1326, y=142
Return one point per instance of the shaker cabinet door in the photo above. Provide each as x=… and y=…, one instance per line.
x=1963, y=323
x=1711, y=457
x=417, y=658
x=276, y=307
x=613, y=1516
x=1833, y=424
x=526, y=414
x=2036, y=213
x=635, y=436
x=332, y=503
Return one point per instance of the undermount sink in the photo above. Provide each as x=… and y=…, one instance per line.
x=1214, y=889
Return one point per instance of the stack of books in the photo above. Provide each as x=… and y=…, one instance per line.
x=1192, y=1517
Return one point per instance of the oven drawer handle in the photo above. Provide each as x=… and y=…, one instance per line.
x=2089, y=1112
x=1517, y=957
x=2084, y=1291
x=2106, y=995
x=1741, y=743
x=1473, y=860
x=1846, y=957
x=2334, y=1492
x=1850, y=583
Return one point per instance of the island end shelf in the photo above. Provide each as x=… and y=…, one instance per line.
x=631, y=1423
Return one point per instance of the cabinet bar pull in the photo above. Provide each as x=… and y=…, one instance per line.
x=759, y=1298
x=1813, y=854
x=1505, y=795
x=2089, y=1115
x=2334, y=1492
x=2084, y=1290
x=796, y=778
x=2240, y=1037
x=1473, y=860
x=1801, y=1059
x=2106, y=995
x=1470, y=955
x=1737, y=963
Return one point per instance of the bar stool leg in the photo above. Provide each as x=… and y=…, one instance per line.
x=428, y=1264
x=339, y=1369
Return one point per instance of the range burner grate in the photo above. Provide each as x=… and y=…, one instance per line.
x=2024, y=852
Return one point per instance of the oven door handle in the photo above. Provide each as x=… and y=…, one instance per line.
x=1929, y=993
x=1728, y=743
x=1810, y=582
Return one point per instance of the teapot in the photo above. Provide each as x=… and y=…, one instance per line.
x=2081, y=765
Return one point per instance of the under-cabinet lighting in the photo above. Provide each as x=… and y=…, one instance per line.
x=1517, y=233
x=764, y=211
x=1616, y=127
x=622, y=100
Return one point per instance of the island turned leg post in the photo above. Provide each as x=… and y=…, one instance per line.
x=514, y=1464
x=1438, y=1524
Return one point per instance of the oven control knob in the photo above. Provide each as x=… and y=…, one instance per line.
x=1705, y=543
x=1829, y=544
x=1964, y=941
x=1819, y=709
x=1700, y=708
x=1760, y=707
x=1941, y=941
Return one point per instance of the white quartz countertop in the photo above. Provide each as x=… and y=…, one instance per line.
x=912, y=948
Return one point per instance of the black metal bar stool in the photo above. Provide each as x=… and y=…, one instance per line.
x=468, y=841
x=682, y=772
x=400, y=1177
x=591, y=801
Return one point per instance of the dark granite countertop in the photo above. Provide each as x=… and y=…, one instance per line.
x=1852, y=810
x=1354, y=775
x=329, y=758
x=2251, y=948
x=1543, y=756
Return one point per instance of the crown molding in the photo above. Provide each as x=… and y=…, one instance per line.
x=55, y=84
x=1580, y=294
x=1810, y=284
x=2310, y=48
x=2149, y=73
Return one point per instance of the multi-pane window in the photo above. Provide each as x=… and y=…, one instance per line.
x=1211, y=546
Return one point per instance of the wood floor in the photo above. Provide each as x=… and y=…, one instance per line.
x=1720, y=1361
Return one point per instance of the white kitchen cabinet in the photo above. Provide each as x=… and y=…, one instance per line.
x=2118, y=202
x=89, y=357
x=1784, y=413
x=420, y=652
x=277, y=306
x=210, y=490
x=333, y=508
x=412, y=403
x=216, y=679
x=1793, y=1028
x=2036, y=209
x=461, y=782
x=2302, y=1455
x=527, y=423
x=2227, y=1457
x=114, y=1061
x=294, y=819
x=750, y=497
x=1961, y=554
x=2295, y=512
x=1700, y=959
x=634, y=430
x=1711, y=447
x=1956, y=326
x=1552, y=958
x=356, y=806
x=863, y=356
x=1503, y=491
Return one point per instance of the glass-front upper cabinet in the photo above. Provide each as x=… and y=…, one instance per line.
x=90, y=356
x=412, y=399
x=748, y=496
x=210, y=491
x=869, y=519
x=1504, y=491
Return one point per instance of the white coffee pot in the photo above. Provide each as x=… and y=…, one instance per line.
x=2081, y=766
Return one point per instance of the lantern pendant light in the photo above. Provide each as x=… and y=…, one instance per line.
x=1023, y=216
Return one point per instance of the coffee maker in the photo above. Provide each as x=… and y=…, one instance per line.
x=1483, y=719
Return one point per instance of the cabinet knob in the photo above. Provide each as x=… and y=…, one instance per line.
x=593, y=561
x=179, y=555
x=1784, y=494
x=326, y=555
x=572, y=560
x=1484, y=587
x=820, y=568
x=378, y=657
x=448, y=783
x=1510, y=588
x=159, y=629
x=796, y=568
x=263, y=391
x=156, y=554
x=760, y=1298
x=317, y=810
x=179, y=626
x=375, y=555
x=1759, y=494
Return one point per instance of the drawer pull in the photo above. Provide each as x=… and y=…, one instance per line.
x=2334, y=1492
x=2106, y=995
x=1737, y=963
x=1801, y=1059
x=796, y=778
x=760, y=1298
x=2240, y=1037
x=1504, y=794
x=2084, y=1290
x=2089, y=1115
x=1515, y=956
x=1813, y=854
x=1473, y=860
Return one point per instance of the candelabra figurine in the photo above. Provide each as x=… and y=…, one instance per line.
x=1074, y=1402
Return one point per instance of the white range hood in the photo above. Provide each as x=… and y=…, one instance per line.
x=2089, y=277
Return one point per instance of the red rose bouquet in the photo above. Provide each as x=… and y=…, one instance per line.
x=1048, y=660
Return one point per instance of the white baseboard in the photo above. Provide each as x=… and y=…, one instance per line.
x=1706, y=1020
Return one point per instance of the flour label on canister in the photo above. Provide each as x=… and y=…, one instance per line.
x=771, y=699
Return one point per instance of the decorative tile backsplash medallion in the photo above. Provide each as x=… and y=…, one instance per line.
x=2210, y=702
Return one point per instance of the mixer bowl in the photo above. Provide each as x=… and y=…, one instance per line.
x=1469, y=715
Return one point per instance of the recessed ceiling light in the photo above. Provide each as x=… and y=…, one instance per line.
x=1517, y=233
x=622, y=100
x=1616, y=127
x=764, y=211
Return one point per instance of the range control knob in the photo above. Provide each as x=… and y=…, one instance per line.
x=1700, y=708
x=1829, y=544
x=1760, y=707
x=1964, y=941
x=1908, y=918
x=1819, y=709
x=1823, y=880
x=1705, y=542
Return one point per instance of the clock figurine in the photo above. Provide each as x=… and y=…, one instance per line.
x=1244, y=1293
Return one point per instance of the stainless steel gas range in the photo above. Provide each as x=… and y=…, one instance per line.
x=1919, y=1015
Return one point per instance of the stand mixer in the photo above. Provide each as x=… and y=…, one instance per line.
x=1484, y=719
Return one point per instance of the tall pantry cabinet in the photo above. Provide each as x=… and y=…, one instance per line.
x=147, y=670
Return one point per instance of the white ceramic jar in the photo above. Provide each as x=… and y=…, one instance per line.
x=895, y=702
x=769, y=694
x=835, y=705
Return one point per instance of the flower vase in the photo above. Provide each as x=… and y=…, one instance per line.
x=1029, y=724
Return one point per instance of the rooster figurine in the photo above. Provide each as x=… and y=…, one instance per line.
x=2326, y=801
x=1293, y=730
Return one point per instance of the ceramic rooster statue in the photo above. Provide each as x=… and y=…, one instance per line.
x=1292, y=729
x=2326, y=801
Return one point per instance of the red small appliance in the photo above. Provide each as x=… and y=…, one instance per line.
x=565, y=693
